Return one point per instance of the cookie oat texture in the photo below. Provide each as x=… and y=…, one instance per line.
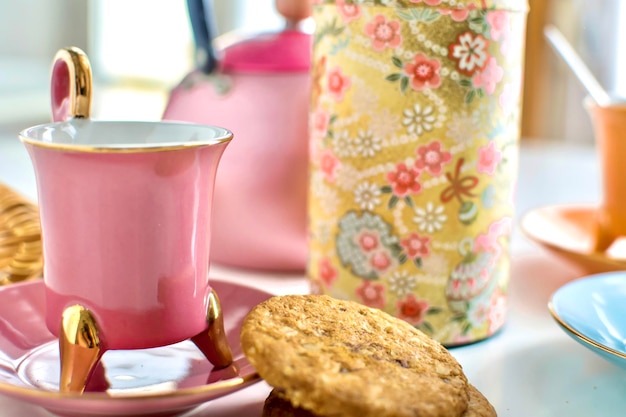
x=478, y=405
x=278, y=406
x=340, y=358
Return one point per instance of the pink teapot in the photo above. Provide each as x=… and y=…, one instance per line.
x=259, y=89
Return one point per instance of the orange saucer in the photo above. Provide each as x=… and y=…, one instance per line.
x=567, y=231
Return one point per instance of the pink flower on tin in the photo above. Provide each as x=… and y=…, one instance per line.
x=423, y=72
x=412, y=309
x=497, y=311
x=488, y=159
x=380, y=261
x=432, y=158
x=470, y=52
x=372, y=295
x=458, y=15
x=329, y=165
x=478, y=315
x=499, y=24
x=415, y=245
x=384, y=33
x=327, y=273
x=338, y=83
x=488, y=242
x=348, y=12
x=428, y=2
x=319, y=123
x=404, y=180
x=489, y=77
x=368, y=241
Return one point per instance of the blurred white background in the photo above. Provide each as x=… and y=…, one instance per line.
x=139, y=50
x=597, y=31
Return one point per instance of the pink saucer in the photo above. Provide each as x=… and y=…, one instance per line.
x=567, y=231
x=164, y=381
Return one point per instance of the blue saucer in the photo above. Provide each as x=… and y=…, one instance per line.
x=592, y=310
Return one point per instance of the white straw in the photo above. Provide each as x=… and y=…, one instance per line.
x=576, y=64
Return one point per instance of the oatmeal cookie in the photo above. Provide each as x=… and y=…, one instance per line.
x=276, y=405
x=340, y=358
x=478, y=405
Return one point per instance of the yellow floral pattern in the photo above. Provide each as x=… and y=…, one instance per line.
x=414, y=139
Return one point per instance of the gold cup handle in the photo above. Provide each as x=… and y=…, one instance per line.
x=71, y=85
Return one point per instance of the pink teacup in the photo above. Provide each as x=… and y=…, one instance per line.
x=126, y=224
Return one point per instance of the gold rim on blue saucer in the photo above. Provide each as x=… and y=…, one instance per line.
x=582, y=337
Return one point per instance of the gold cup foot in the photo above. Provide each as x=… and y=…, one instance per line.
x=212, y=342
x=79, y=347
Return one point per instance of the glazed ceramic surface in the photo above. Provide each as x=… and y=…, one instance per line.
x=593, y=312
x=609, y=124
x=125, y=211
x=414, y=146
x=260, y=192
x=161, y=381
x=568, y=231
x=260, y=90
x=531, y=368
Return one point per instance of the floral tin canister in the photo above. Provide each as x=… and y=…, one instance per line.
x=414, y=142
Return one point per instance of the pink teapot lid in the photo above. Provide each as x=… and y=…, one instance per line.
x=285, y=51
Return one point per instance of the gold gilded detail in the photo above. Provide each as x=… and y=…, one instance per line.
x=581, y=336
x=213, y=342
x=79, y=347
x=21, y=255
x=79, y=79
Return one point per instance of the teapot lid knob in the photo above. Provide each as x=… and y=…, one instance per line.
x=294, y=10
x=286, y=51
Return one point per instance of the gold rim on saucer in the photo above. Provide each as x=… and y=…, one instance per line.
x=582, y=337
x=21, y=256
x=151, y=395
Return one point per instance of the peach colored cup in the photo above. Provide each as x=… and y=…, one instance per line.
x=125, y=211
x=609, y=123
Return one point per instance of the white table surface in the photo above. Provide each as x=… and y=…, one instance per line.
x=529, y=369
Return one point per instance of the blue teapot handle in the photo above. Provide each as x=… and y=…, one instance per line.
x=202, y=20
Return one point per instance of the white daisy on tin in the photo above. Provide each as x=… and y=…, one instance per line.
x=366, y=144
x=419, y=120
x=401, y=283
x=367, y=196
x=430, y=219
x=342, y=144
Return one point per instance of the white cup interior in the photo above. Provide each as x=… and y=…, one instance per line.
x=87, y=134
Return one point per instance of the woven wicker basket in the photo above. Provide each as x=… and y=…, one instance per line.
x=21, y=255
